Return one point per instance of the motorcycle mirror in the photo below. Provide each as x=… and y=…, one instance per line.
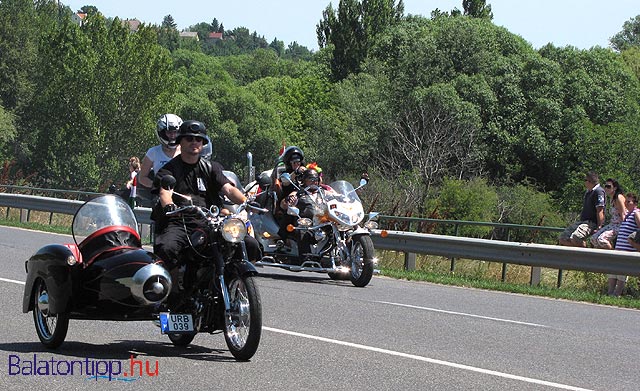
x=285, y=178
x=168, y=182
x=292, y=210
x=363, y=182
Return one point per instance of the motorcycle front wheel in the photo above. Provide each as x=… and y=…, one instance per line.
x=361, y=260
x=51, y=328
x=243, y=327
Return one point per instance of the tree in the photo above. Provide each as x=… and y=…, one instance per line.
x=7, y=133
x=168, y=35
x=115, y=83
x=277, y=46
x=297, y=52
x=628, y=37
x=169, y=23
x=351, y=30
x=89, y=9
x=477, y=9
x=435, y=137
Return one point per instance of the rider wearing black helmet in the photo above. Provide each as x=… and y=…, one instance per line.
x=202, y=180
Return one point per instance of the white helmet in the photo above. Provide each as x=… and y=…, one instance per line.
x=171, y=123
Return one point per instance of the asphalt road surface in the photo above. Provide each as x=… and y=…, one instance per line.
x=321, y=334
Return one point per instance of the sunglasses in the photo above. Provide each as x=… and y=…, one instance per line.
x=193, y=138
x=608, y=186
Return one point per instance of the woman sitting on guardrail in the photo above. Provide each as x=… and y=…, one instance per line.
x=629, y=225
x=605, y=237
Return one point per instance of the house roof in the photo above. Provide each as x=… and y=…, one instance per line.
x=215, y=35
x=189, y=34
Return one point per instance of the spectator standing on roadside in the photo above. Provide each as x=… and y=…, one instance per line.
x=606, y=236
x=132, y=183
x=591, y=217
x=629, y=225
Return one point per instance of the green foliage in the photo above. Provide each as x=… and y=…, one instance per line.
x=629, y=36
x=523, y=204
x=352, y=29
x=7, y=133
x=477, y=9
x=114, y=85
x=472, y=200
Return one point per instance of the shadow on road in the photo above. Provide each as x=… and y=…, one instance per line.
x=121, y=350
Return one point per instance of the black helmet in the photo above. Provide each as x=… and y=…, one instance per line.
x=311, y=174
x=193, y=128
x=168, y=122
x=291, y=154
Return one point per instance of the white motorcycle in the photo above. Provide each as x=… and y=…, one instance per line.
x=339, y=243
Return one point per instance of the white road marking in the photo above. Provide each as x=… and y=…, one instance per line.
x=14, y=281
x=429, y=360
x=461, y=313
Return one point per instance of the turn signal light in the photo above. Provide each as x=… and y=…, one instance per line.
x=384, y=234
x=290, y=228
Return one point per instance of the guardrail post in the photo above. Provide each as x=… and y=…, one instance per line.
x=453, y=260
x=504, y=264
x=559, y=277
x=24, y=215
x=409, y=261
x=536, y=273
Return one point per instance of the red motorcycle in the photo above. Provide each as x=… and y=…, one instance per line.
x=107, y=275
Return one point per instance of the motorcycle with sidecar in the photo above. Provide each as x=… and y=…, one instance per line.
x=107, y=275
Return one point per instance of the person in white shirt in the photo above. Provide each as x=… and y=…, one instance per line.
x=157, y=156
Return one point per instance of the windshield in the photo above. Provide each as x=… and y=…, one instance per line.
x=99, y=213
x=345, y=189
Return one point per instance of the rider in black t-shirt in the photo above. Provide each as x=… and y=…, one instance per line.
x=203, y=181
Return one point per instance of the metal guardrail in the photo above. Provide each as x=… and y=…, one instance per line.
x=529, y=254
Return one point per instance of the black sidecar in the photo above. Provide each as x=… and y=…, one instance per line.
x=104, y=275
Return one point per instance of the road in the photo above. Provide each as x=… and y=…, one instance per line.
x=321, y=334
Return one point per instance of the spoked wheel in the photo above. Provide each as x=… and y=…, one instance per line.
x=244, y=326
x=181, y=339
x=51, y=328
x=361, y=260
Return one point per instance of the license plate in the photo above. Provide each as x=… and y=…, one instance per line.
x=175, y=323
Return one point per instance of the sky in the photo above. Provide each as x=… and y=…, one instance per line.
x=579, y=23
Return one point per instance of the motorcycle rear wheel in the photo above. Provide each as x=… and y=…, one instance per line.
x=181, y=339
x=244, y=327
x=51, y=328
x=361, y=260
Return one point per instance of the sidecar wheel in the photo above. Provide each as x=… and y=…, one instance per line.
x=361, y=260
x=244, y=327
x=181, y=339
x=51, y=328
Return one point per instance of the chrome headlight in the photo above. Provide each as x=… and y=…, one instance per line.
x=234, y=230
x=371, y=225
x=304, y=222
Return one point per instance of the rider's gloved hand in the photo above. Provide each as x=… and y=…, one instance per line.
x=292, y=199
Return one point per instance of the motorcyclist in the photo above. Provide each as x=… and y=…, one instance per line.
x=156, y=156
x=306, y=200
x=200, y=179
x=292, y=162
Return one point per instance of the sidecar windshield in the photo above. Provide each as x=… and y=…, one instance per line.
x=344, y=191
x=101, y=213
